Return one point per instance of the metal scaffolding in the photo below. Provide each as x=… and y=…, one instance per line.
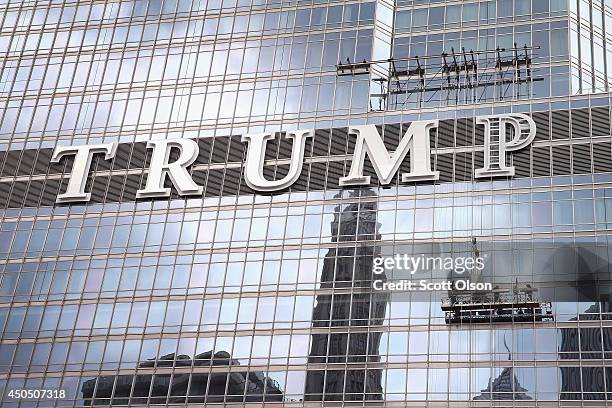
x=500, y=306
x=451, y=78
x=514, y=302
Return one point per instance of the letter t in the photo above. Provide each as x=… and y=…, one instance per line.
x=80, y=169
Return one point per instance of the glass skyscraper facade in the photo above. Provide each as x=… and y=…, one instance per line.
x=243, y=297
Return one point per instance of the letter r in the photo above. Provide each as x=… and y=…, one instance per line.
x=177, y=170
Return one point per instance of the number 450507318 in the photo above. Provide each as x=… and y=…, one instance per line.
x=37, y=394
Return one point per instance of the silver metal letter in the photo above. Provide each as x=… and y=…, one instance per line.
x=497, y=143
x=416, y=140
x=80, y=169
x=177, y=170
x=256, y=153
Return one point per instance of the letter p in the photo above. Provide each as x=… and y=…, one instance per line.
x=497, y=142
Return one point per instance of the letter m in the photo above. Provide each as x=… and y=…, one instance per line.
x=415, y=141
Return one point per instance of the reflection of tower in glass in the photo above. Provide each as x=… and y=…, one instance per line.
x=506, y=386
x=346, y=267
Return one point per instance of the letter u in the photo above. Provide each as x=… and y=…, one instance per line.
x=256, y=153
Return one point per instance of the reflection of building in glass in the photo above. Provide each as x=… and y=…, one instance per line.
x=586, y=343
x=346, y=267
x=192, y=387
x=504, y=387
